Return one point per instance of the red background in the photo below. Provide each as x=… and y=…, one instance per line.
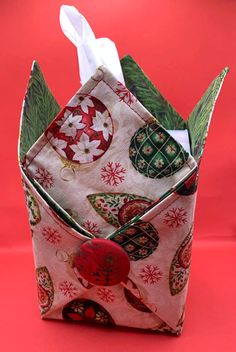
x=182, y=45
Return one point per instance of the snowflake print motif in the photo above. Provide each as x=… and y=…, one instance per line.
x=113, y=174
x=44, y=178
x=150, y=274
x=175, y=217
x=91, y=227
x=106, y=295
x=124, y=94
x=51, y=235
x=67, y=289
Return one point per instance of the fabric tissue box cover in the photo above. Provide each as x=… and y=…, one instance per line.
x=111, y=197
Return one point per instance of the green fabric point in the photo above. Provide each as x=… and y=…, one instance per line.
x=198, y=123
x=39, y=109
x=199, y=120
x=141, y=86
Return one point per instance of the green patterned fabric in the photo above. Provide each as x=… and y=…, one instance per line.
x=139, y=241
x=198, y=123
x=141, y=86
x=199, y=119
x=39, y=110
x=154, y=153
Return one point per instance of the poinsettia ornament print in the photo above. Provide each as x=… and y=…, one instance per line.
x=87, y=147
x=83, y=131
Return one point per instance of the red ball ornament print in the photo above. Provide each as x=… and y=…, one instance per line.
x=131, y=209
x=185, y=254
x=189, y=187
x=83, y=131
x=102, y=262
x=87, y=310
x=43, y=297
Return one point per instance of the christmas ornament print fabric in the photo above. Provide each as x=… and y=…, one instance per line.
x=89, y=148
x=111, y=199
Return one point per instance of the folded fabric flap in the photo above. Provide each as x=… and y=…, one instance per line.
x=199, y=119
x=141, y=86
x=60, y=286
x=59, y=160
x=60, y=213
x=62, y=290
x=158, y=243
x=186, y=186
x=39, y=109
x=121, y=315
x=163, y=276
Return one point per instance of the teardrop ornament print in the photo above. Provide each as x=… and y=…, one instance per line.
x=118, y=208
x=180, y=266
x=45, y=289
x=32, y=206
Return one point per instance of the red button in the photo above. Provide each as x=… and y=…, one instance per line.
x=102, y=262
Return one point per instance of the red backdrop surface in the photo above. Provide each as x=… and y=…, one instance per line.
x=182, y=45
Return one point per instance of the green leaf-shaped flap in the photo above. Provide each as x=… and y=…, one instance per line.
x=39, y=109
x=199, y=120
x=140, y=85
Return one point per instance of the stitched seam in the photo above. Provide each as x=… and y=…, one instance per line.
x=167, y=206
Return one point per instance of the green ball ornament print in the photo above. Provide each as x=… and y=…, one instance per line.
x=154, y=153
x=139, y=241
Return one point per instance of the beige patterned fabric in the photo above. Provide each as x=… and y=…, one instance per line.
x=111, y=167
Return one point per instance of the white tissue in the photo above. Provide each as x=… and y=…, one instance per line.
x=92, y=52
x=181, y=136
